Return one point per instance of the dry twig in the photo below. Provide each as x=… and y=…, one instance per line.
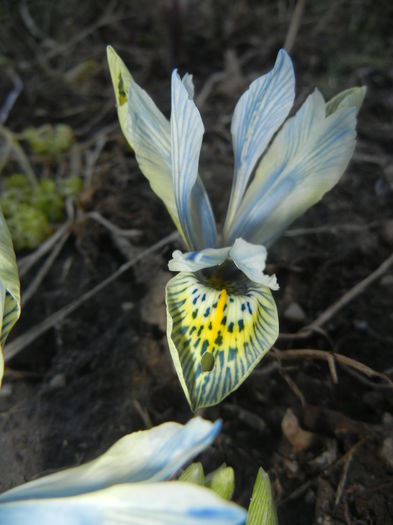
x=343, y=479
x=25, y=263
x=293, y=386
x=294, y=25
x=18, y=344
x=330, y=312
x=42, y=272
x=330, y=357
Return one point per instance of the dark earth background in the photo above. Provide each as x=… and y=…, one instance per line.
x=104, y=370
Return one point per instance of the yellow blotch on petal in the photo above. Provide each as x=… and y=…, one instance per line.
x=216, y=318
x=217, y=335
x=121, y=91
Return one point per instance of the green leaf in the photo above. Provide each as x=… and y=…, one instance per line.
x=222, y=481
x=9, y=288
x=262, y=510
x=193, y=474
x=349, y=98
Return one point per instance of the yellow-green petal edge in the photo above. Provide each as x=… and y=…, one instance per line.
x=152, y=152
x=9, y=288
x=352, y=97
x=217, y=335
x=121, y=79
x=262, y=510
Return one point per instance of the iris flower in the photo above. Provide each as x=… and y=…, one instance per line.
x=125, y=485
x=221, y=315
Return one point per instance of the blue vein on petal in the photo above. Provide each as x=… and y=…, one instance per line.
x=186, y=140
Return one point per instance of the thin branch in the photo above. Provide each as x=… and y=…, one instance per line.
x=27, y=262
x=20, y=155
x=343, y=479
x=44, y=269
x=327, y=356
x=351, y=294
x=294, y=25
x=11, y=97
x=115, y=230
x=330, y=312
x=92, y=158
x=293, y=386
x=18, y=344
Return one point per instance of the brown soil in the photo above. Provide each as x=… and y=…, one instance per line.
x=105, y=369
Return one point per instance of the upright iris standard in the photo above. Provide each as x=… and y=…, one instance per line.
x=222, y=318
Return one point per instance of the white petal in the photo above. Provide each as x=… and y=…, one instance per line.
x=186, y=140
x=188, y=84
x=194, y=261
x=149, y=455
x=148, y=133
x=167, y=503
x=259, y=113
x=146, y=129
x=305, y=160
x=251, y=260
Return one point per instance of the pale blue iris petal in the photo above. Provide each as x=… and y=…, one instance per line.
x=194, y=261
x=186, y=140
x=149, y=134
x=202, y=218
x=251, y=260
x=167, y=503
x=305, y=160
x=259, y=113
x=188, y=84
x=150, y=455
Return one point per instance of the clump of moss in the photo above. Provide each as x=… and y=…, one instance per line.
x=49, y=140
x=30, y=211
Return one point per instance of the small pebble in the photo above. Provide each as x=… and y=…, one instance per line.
x=387, y=451
x=360, y=324
x=373, y=399
x=58, y=381
x=6, y=390
x=310, y=497
x=387, y=418
x=127, y=306
x=299, y=439
x=387, y=232
x=386, y=281
x=382, y=187
x=294, y=313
